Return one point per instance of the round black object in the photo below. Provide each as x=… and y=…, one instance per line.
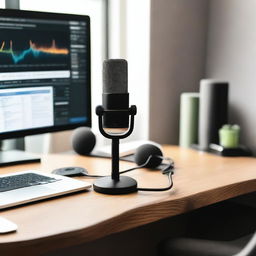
x=107, y=185
x=144, y=152
x=83, y=140
x=71, y=171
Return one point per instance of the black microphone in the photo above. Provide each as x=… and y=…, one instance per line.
x=115, y=95
x=116, y=121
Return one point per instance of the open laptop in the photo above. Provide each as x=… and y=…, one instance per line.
x=28, y=186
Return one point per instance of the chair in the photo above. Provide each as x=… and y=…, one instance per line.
x=199, y=247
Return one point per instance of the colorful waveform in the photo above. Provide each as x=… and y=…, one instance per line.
x=34, y=49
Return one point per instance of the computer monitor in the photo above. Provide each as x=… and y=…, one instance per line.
x=44, y=73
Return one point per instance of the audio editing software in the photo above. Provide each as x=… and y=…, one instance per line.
x=42, y=73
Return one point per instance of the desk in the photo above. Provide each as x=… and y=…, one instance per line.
x=200, y=179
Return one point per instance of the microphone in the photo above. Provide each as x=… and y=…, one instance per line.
x=115, y=95
x=114, y=118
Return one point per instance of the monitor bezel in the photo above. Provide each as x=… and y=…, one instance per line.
x=53, y=16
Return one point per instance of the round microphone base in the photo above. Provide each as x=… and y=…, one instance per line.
x=107, y=185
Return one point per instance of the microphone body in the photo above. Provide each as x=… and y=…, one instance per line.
x=115, y=96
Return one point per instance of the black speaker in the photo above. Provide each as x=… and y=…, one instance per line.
x=143, y=152
x=213, y=111
x=83, y=140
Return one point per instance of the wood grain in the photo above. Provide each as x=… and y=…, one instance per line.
x=200, y=179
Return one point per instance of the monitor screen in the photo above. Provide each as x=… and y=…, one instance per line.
x=44, y=72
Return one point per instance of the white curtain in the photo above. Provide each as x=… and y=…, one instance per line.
x=129, y=35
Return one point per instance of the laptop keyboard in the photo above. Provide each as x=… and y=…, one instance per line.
x=23, y=180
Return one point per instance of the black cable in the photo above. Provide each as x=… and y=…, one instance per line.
x=160, y=189
x=166, y=170
x=170, y=173
x=138, y=166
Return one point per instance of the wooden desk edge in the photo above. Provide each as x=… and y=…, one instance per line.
x=128, y=220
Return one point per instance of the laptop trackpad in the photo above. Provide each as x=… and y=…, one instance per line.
x=25, y=194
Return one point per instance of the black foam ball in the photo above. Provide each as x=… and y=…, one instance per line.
x=144, y=152
x=83, y=140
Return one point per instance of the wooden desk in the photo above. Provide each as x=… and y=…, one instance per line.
x=201, y=179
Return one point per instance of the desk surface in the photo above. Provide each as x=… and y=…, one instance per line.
x=200, y=179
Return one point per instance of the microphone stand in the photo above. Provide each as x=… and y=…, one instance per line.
x=115, y=184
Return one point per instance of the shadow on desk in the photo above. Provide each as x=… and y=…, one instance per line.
x=225, y=221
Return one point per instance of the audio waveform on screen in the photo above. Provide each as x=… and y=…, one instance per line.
x=34, y=49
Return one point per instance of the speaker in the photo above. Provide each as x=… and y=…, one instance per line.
x=143, y=152
x=189, y=112
x=213, y=111
x=83, y=140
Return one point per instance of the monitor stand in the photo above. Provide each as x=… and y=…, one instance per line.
x=12, y=157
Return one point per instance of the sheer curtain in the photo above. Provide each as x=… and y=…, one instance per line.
x=2, y=3
x=129, y=38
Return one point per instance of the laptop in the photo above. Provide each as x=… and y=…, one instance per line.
x=29, y=186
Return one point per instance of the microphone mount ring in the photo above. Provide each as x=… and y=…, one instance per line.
x=115, y=184
x=100, y=111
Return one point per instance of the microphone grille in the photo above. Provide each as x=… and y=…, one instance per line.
x=115, y=76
